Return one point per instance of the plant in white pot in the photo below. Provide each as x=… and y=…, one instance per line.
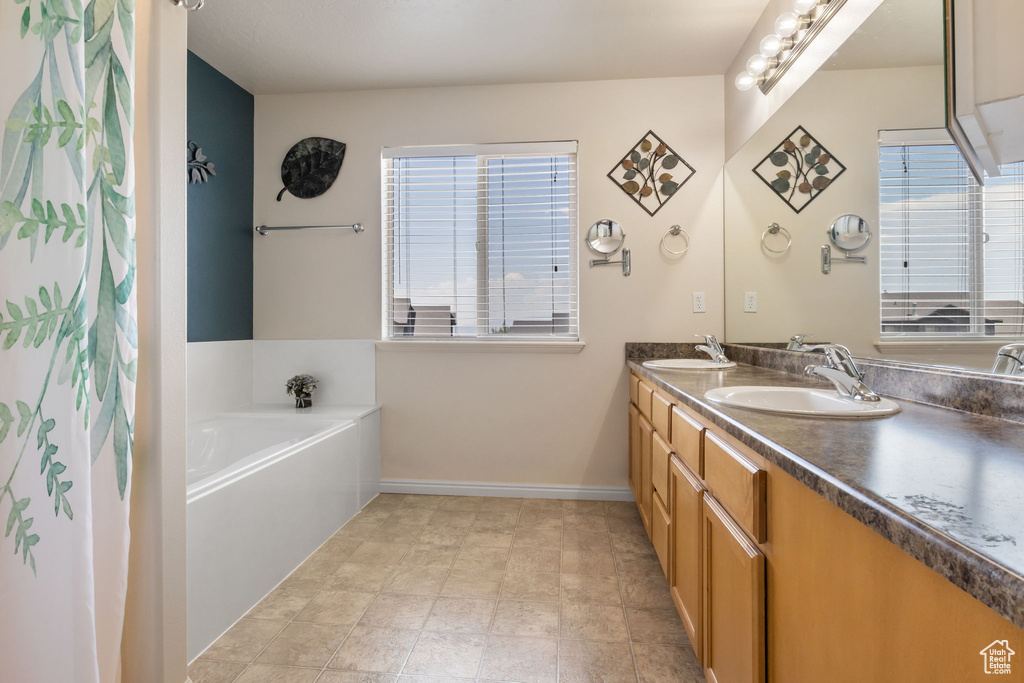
x=302, y=388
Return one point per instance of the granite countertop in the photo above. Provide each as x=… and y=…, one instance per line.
x=945, y=486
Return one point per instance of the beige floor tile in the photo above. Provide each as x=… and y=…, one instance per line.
x=432, y=679
x=463, y=503
x=542, y=506
x=637, y=564
x=502, y=505
x=429, y=555
x=516, y=618
x=632, y=542
x=411, y=580
x=396, y=533
x=462, y=615
x=588, y=562
x=355, y=677
x=587, y=588
x=442, y=535
x=659, y=663
x=421, y=501
x=481, y=557
x=453, y=518
x=446, y=654
x=590, y=507
x=244, y=640
x=341, y=608
x=357, y=529
x=527, y=660
x=488, y=539
x=473, y=583
x=412, y=515
x=301, y=644
x=284, y=602
x=532, y=586
x=529, y=521
x=379, y=553
x=581, y=521
x=360, y=578
x=626, y=526
x=397, y=611
x=385, y=501
x=660, y=625
x=337, y=549
x=576, y=539
x=373, y=514
x=535, y=560
x=644, y=591
x=495, y=521
x=369, y=648
x=622, y=509
x=316, y=569
x=538, y=538
x=264, y=673
x=208, y=671
x=581, y=661
x=592, y=622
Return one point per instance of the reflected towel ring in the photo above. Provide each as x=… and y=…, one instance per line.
x=775, y=229
x=191, y=8
x=674, y=231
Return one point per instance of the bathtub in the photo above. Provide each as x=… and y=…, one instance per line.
x=265, y=488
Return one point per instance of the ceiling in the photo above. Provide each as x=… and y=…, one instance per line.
x=898, y=33
x=288, y=46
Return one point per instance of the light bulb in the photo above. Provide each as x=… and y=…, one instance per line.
x=786, y=25
x=745, y=81
x=771, y=46
x=804, y=6
x=756, y=65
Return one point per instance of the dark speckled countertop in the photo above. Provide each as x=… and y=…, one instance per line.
x=945, y=486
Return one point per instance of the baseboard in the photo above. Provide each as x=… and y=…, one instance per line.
x=480, y=488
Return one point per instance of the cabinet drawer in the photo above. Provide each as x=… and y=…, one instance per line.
x=634, y=389
x=738, y=484
x=661, y=415
x=661, y=528
x=645, y=394
x=661, y=452
x=687, y=440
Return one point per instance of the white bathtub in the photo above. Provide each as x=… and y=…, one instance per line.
x=266, y=487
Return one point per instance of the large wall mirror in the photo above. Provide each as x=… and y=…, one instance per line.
x=940, y=280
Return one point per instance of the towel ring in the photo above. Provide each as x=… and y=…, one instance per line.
x=775, y=229
x=674, y=231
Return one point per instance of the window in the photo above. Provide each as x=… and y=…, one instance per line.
x=480, y=242
x=952, y=251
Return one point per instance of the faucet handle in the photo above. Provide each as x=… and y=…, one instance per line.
x=711, y=340
x=839, y=358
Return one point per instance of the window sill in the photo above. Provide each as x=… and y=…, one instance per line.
x=474, y=346
x=932, y=344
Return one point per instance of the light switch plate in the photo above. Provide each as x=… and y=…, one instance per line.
x=699, y=303
x=750, y=302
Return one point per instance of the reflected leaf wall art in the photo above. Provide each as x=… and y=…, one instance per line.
x=799, y=169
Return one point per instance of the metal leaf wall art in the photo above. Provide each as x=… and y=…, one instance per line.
x=199, y=168
x=651, y=173
x=799, y=169
x=311, y=167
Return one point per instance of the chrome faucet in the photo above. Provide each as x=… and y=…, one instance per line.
x=842, y=372
x=796, y=343
x=712, y=348
x=1010, y=360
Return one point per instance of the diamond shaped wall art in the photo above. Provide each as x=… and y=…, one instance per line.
x=799, y=169
x=651, y=173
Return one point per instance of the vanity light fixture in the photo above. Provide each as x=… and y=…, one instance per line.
x=793, y=33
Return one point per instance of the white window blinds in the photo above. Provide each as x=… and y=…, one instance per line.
x=952, y=251
x=480, y=242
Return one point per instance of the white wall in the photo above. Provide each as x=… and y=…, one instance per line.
x=505, y=417
x=844, y=110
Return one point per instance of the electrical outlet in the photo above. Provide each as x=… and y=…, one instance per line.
x=750, y=302
x=699, y=304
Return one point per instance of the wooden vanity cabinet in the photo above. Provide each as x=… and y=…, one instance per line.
x=684, y=572
x=646, y=498
x=733, y=600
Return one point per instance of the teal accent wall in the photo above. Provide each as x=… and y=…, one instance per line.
x=220, y=227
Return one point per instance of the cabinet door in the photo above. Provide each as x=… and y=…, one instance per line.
x=661, y=452
x=685, y=565
x=661, y=530
x=634, y=451
x=733, y=595
x=646, y=497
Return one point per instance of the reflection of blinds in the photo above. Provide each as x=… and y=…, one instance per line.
x=951, y=251
x=479, y=242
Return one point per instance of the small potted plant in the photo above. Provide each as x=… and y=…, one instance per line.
x=302, y=388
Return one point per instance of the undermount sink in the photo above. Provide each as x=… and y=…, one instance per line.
x=800, y=401
x=687, y=364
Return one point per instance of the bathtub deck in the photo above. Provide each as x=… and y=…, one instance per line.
x=466, y=588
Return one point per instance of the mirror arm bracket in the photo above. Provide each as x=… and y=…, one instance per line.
x=626, y=262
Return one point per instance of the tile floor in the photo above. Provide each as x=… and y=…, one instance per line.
x=438, y=588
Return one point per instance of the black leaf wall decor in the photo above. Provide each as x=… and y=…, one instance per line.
x=311, y=167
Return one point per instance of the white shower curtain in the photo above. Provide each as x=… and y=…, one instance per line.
x=68, y=337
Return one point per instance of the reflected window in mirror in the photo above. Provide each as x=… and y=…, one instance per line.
x=952, y=251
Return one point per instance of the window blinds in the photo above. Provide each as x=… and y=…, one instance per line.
x=951, y=251
x=479, y=242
